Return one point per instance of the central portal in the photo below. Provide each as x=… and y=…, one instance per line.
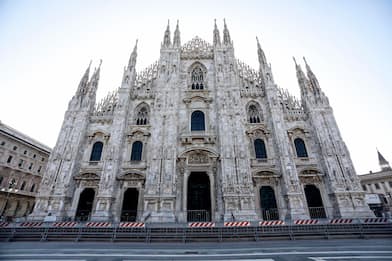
x=199, y=197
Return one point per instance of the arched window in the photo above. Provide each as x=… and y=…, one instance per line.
x=142, y=116
x=32, y=188
x=97, y=151
x=253, y=114
x=197, y=121
x=260, y=151
x=137, y=149
x=197, y=78
x=300, y=148
x=23, y=185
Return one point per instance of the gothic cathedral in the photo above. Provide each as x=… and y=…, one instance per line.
x=199, y=136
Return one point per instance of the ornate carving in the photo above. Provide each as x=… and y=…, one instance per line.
x=87, y=176
x=198, y=157
x=197, y=48
x=107, y=105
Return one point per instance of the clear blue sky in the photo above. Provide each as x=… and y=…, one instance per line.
x=45, y=47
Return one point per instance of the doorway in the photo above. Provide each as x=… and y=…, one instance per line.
x=85, y=205
x=315, y=202
x=269, y=208
x=129, y=207
x=199, y=197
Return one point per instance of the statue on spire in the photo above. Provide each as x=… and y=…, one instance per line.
x=177, y=39
x=226, y=34
x=166, y=38
x=217, y=40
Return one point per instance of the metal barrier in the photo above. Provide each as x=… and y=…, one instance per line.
x=198, y=216
x=195, y=231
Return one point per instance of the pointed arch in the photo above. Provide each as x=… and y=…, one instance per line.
x=142, y=113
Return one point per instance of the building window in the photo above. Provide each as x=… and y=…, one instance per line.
x=137, y=149
x=364, y=187
x=260, y=150
x=300, y=148
x=42, y=159
x=9, y=159
x=197, y=121
x=15, y=148
x=390, y=184
x=34, y=156
x=31, y=166
x=1, y=180
x=197, y=78
x=25, y=152
x=32, y=188
x=2, y=143
x=12, y=183
x=377, y=185
x=20, y=163
x=253, y=114
x=39, y=169
x=23, y=185
x=96, y=151
x=142, y=116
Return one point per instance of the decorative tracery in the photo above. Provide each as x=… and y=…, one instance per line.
x=197, y=78
x=254, y=114
x=142, y=115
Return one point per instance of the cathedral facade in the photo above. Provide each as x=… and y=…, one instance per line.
x=199, y=136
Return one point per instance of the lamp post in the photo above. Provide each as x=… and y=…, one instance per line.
x=10, y=189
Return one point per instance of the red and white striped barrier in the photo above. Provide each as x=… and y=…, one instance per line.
x=306, y=221
x=237, y=224
x=271, y=223
x=375, y=220
x=31, y=224
x=65, y=224
x=98, y=224
x=341, y=221
x=131, y=224
x=201, y=224
x=4, y=224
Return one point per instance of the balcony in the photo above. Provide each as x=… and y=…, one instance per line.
x=198, y=137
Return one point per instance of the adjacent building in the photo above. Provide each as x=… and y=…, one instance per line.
x=378, y=186
x=200, y=136
x=22, y=164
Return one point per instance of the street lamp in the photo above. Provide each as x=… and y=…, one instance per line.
x=10, y=189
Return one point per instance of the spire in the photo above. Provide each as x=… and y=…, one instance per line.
x=312, y=78
x=177, y=39
x=132, y=58
x=384, y=164
x=217, y=40
x=260, y=52
x=166, y=38
x=226, y=34
x=95, y=79
x=301, y=78
x=84, y=81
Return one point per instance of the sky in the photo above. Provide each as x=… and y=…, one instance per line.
x=45, y=47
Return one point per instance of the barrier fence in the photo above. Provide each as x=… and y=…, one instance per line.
x=195, y=231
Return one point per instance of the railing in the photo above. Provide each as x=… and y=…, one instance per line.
x=270, y=214
x=198, y=216
x=129, y=215
x=317, y=212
